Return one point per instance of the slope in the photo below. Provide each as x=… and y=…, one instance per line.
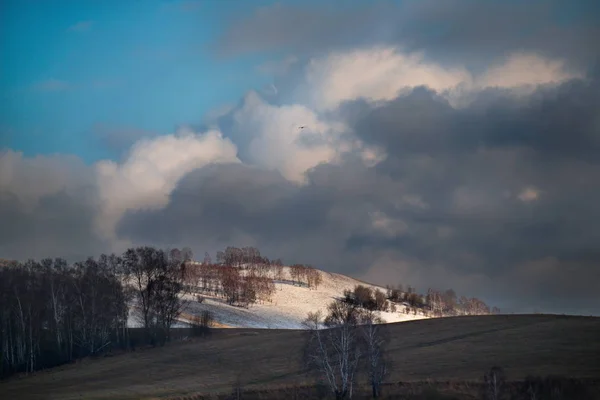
x=288, y=306
x=456, y=348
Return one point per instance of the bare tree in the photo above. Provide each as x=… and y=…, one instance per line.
x=187, y=254
x=472, y=306
x=435, y=301
x=279, y=272
x=220, y=257
x=333, y=353
x=363, y=296
x=51, y=312
x=140, y=263
x=394, y=293
x=342, y=313
x=374, y=341
x=158, y=282
x=494, y=384
x=175, y=254
x=201, y=324
x=297, y=273
x=313, y=276
x=380, y=300
x=233, y=256
x=317, y=278
x=449, y=301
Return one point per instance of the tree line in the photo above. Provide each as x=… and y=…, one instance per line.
x=244, y=277
x=52, y=312
x=435, y=303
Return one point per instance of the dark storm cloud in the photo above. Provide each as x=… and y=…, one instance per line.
x=461, y=31
x=469, y=166
x=456, y=179
x=60, y=226
x=496, y=119
x=47, y=209
x=223, y=205
x=498, y=199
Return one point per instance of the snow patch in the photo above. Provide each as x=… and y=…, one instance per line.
x=289, y=305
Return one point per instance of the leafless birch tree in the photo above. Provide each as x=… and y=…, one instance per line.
x=334, y=353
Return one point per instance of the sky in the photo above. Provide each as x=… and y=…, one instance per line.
x=449, y=144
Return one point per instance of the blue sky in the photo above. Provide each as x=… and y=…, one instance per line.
x=71, y=66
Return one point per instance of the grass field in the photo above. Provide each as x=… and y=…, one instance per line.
x=460, y=349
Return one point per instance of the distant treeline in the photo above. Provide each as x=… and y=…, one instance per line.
x=244, y=277
x=435, y=303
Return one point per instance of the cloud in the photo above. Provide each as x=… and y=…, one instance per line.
x=47, y=205
x=383, y=73
x=276, y=139
x=375, y=74
x=461, y=31
x=522, y=69
x=278, y=67
x=151, y=170
x=444, y=157
x=445, y=208
x=81, y=26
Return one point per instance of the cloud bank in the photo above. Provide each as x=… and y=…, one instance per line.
x=451, y=158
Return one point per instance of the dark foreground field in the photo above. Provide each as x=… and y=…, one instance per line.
x=458, y=349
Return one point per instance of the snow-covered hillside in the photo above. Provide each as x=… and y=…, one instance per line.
x=288, y=307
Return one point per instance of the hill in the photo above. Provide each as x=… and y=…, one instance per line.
x=288, y=306
x=454, y=348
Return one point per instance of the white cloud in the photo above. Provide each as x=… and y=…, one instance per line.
x=278, y=140
x=151, y=171
x=524, y=69
x=382, y=73
x=292, y=139
x=272, y=132
x=376, y=74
